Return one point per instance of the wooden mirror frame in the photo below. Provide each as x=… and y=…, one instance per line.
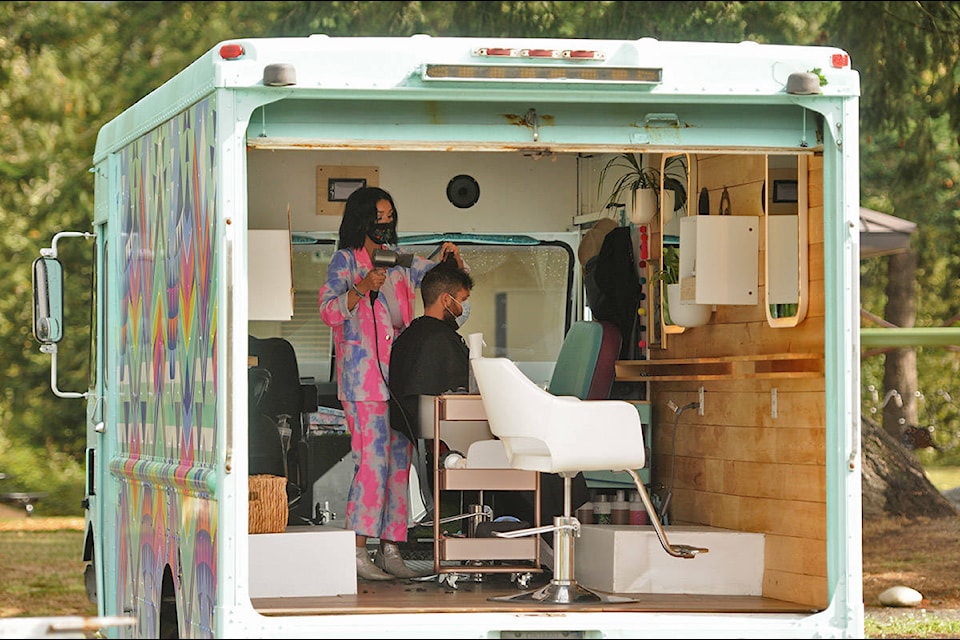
x=770, y=240
x=667, y=329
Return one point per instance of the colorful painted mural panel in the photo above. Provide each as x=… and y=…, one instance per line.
x=167, y=373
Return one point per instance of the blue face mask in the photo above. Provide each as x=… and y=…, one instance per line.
x=462, y=318
x=464, y=312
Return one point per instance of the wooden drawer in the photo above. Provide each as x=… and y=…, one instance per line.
x=462, y=407
x=488, y=479
x=488, y=548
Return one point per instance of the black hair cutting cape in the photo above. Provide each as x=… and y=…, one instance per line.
x=428, y=358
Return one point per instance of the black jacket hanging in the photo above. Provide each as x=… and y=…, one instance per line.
x=613, y=288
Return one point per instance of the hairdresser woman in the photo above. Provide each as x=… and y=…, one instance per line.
x=367, y=308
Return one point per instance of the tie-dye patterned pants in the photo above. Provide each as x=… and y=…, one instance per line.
x=377, y=502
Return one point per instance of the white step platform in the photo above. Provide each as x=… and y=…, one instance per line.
x=303, y=561
x=630, y=559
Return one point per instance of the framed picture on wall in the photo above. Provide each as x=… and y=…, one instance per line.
x=785, y=190
x=335, y=183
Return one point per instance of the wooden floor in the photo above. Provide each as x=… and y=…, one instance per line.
x=432, y=596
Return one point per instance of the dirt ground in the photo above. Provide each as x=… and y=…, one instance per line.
x=923, y=554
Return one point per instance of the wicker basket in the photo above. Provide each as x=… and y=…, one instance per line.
x=268, y=504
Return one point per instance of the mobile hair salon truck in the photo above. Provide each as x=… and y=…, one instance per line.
x=218, y=198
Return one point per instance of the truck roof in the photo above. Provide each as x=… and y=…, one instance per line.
x=423, y=67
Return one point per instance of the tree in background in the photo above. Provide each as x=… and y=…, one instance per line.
x=67, y=68
x=907, y=54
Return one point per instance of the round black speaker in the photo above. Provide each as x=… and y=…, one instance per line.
x=463, y=191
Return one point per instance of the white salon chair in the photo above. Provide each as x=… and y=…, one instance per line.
x=563, y=435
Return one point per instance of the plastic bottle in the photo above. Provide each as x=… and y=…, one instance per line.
x=585, y=513
x=476, y=343
x=638, y=513
x=601, y=510
x=620, y=509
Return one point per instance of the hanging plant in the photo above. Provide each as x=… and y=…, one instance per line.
x=636, y=177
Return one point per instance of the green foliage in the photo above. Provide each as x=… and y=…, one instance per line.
x=66, y=68
x=907, y=55
x=633, y=176
x=817, y=71
x=35, y=470
x=669, y=272
x=914, y=175
x=920, y=624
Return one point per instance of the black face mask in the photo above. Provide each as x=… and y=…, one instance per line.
x=381, y=233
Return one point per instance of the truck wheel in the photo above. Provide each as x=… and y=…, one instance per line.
x=169, y=622
x=90, y=582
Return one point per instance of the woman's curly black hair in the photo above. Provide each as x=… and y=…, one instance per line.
x=360, y=216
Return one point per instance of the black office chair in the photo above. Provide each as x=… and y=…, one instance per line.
x=265, y=447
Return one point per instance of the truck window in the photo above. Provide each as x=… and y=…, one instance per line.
x=520, y=303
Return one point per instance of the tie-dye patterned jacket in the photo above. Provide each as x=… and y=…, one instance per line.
x=362, y=337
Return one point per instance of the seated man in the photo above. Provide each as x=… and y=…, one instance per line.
x=431, y=358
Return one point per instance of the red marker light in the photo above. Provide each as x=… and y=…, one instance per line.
x=231, y=51
x=583, y=54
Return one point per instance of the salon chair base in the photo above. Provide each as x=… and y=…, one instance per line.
x=559, y=593
x=563, y=588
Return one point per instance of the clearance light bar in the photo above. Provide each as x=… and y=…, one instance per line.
x=570, y=54
x=542, y=73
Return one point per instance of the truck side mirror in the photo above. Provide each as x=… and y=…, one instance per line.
x=47, y=300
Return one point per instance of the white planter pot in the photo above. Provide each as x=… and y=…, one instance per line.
x=684, y=313
x=643, y=206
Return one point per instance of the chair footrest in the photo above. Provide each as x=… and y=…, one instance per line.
x=535, y=530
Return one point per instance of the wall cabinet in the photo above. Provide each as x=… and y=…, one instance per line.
x=718, y=259
x=270, y=273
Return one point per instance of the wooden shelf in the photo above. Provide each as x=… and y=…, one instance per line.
x=778, y=365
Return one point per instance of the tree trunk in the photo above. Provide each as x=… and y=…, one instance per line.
x=900, y=365
x=894, y=483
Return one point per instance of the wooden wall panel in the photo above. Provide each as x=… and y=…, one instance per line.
x=794, y=587
x=742, y=513
x=719, y=339
x=800, y=403
x=741, y=175
x=774, y=481
x=742, y=465
x=790, y=554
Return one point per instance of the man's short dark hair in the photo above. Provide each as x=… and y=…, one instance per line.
x=443, y=279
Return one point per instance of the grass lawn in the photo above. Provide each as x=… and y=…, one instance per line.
x=41, y=574
x=943, y=478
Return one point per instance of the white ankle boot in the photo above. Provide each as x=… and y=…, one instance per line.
x=366, y=569
x=389, y=560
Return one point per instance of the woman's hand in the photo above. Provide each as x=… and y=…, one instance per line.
x=373, y=281
x=448, y=248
